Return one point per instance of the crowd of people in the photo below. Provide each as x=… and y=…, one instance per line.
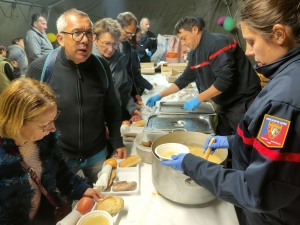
x=92, y=82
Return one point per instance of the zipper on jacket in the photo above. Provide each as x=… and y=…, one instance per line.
x=80, y=118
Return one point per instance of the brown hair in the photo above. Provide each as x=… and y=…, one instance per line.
x=187, y=23
x=125, y=19
x=262, y=15
x=108, y=25
x=21, y=101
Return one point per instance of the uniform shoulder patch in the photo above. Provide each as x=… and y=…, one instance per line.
x=273, y=131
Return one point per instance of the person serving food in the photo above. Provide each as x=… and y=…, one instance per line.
x=265, y=149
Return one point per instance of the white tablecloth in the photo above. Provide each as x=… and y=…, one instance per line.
x=150, y=208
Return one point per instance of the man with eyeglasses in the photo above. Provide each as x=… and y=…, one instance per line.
x=36, y=41
x=128, y=24
x=87, y=99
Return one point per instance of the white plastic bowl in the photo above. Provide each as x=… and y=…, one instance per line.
x=96, y=213
x=165, y=151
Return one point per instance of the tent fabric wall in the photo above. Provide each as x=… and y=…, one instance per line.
x=15, y=18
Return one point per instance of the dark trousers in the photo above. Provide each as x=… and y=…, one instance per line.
x=228, y=120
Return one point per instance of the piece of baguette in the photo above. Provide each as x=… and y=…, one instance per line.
x=124, y=186
x=111, y=204
x=139, y=123
x=130, y=161
x=111, y=177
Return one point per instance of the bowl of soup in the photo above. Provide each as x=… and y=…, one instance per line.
x=165, y=151
x=96, y=217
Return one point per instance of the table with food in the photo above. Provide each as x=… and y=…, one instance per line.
x=139, y=190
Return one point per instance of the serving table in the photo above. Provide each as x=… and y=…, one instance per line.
x=148, y=207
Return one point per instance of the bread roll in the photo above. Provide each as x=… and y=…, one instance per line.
x=130, y=161
x=140, y=123
x=124, y=186
x=111, y=204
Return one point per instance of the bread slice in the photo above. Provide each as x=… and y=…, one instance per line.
x=111, y=204
x=130, y=161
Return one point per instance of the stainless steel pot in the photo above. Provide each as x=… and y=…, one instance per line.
x=174, y=185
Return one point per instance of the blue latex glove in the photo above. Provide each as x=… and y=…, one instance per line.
x=220, y=142
x=152, y=100
x=191, y=104
x=176, y=163
x=149, y=53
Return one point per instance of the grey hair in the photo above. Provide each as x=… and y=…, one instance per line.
x=143, y=19
x=61, y=23
x=108, y=25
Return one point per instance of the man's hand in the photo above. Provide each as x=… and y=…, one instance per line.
x=220, y=142
x=191, y=104
x=137, y=99
x=152, y=100
x=121, y=153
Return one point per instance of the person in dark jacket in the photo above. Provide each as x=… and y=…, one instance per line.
x=28, y=110
x=108, y=32
x=265, y=150
x=128, y=23
x=148, y=44
x=221, y=67
x=88, y=101
x=140, y=82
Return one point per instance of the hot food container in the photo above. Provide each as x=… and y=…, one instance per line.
x=174, y=185
x=171, y=115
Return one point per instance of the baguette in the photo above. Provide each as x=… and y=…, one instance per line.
x=130, y=161
x=124, y=186
x=111, y=178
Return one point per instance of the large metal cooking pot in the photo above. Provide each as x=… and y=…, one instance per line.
x=174, y=185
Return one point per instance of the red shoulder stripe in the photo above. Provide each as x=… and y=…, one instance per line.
x=200, y=65
x=215, y=55
x=247, y=141
x=223, y=50
x=274, y=155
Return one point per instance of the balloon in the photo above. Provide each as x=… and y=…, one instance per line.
x=220, y=21
x=229, y=24
x=51, y=37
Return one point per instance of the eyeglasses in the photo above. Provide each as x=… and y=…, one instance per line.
x=108, y=44
x=78, y=35
x=128, y=33
x=48, y=127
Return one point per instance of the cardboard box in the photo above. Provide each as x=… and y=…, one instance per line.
x=171, y=78
x=147, y=68
x=167, y=68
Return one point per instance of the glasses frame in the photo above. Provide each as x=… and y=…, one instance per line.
x=128, y=33
x=83, y=33
x=109, y=44
x=46, y=128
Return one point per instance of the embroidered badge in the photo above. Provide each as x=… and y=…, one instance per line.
x=273, y=131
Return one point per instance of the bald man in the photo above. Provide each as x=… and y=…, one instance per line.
x=148, y=44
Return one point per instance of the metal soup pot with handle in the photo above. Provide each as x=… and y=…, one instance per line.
x=174, y=185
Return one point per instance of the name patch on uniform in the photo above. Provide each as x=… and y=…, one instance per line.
x=273, y=131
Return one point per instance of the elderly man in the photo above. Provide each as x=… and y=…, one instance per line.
x=36, y=42
x=128, y=24
x=148, y=44
x=88, y=101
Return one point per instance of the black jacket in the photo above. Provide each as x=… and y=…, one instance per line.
x=148, y=41
x=84, y=103
x=264, y=179
x=218, y=60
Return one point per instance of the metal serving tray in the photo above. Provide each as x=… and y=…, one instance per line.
x=171, y=115
x=177, y=108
